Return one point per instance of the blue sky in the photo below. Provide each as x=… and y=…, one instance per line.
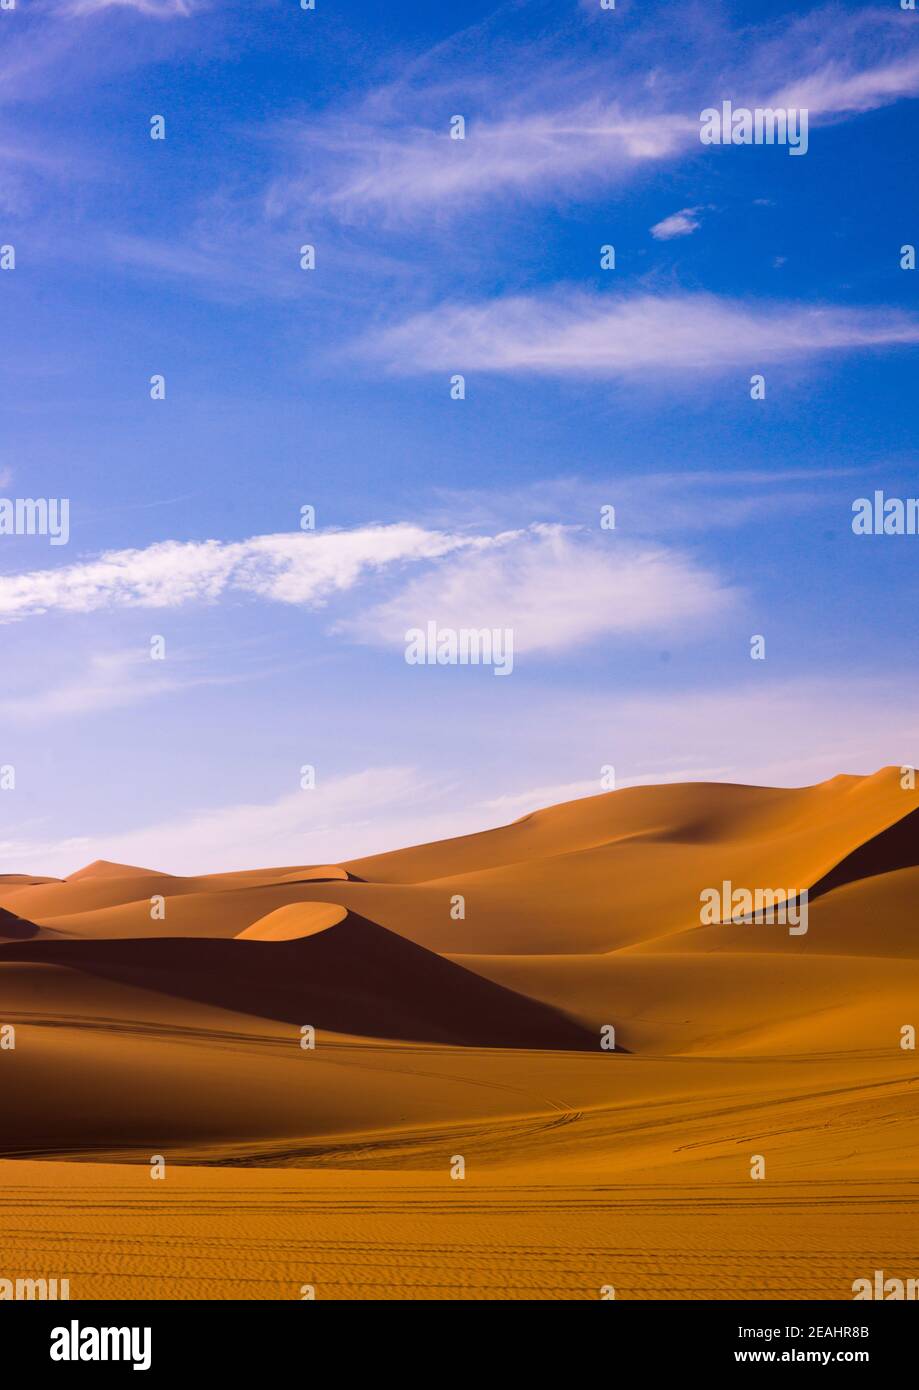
x=331, y=388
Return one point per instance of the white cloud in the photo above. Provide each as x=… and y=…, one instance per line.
x=681, y=223
x=838, y=63
x=556, y=588
x=301, y=568
x=572, y=332
x=835, y=62
x=385, y=157
x=398, y=173
x=835, y=91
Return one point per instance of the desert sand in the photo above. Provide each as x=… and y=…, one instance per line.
x=163, y=1017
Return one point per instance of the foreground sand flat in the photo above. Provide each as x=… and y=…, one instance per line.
x=217, y=1233
x=180, y=1036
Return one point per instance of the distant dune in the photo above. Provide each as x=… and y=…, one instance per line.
x=465, y=997
x=104, y=868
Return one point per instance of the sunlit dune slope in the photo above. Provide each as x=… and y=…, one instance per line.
x=293, y=922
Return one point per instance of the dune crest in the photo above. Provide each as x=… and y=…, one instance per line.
x=107, y=868
x=293, y=922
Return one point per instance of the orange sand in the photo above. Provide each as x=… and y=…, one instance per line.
x=139, y=1035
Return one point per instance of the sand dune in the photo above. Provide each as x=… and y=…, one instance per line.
x=174, y=1006
x=293, y=922
x=104, y=868
x=327, y=968
x=16, y=927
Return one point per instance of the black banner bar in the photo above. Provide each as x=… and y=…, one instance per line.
x=255, y=1338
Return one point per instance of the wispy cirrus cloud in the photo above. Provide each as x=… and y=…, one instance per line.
x=108, y=680
x=153, y=9
x=300, y=568
x=556, y=587
x=839, y=89
x=399, y=173
x=655, y=505
x=384, y=158
x=56, y=47
x=572, y=332
x=838, y=63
